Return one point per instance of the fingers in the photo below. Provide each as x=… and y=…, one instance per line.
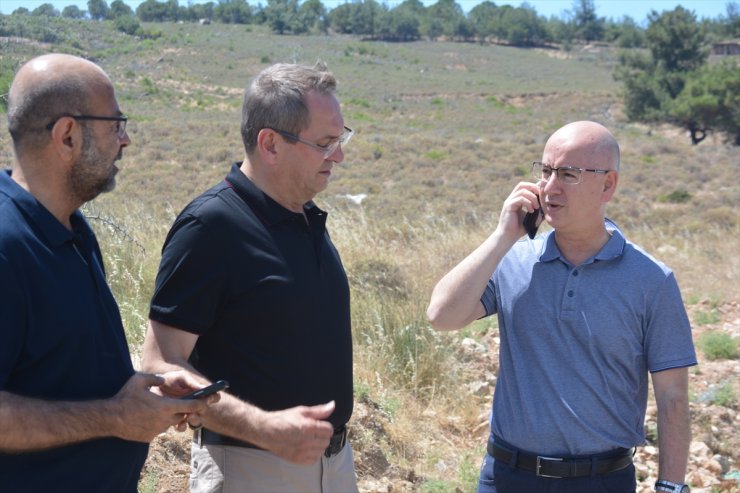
x=526, y=195
x=320, y=411
x=146, y=380
x=181, y=382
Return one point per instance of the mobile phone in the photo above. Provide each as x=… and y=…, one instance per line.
x=530, y=220
x=206, y=391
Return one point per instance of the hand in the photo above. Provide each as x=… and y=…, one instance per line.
x=299, y=434
x=180, y=382
x=140, y=414
x=522, y=200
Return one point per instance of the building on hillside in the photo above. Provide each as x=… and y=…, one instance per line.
x=731, y=47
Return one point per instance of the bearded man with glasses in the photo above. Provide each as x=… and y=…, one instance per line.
x=584, y=317
x=74, y=414
x=251, y=290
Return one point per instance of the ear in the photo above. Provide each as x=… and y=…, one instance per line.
x=66, y=139
x=267, y=145
x=610, y=186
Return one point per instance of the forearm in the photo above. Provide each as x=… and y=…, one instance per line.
x=33, y=424
x=455, y=301
x=236, y=418
x=674, y=439
x=674, y=423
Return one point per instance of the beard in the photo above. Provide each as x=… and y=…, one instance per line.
x=93, y=173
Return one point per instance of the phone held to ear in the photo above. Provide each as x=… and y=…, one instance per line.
x=206, y=391
x=530, y=220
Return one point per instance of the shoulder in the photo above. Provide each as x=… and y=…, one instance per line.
x=216, y=207
x=14, y=230
x=638, y=259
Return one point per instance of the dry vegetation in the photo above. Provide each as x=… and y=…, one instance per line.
x=444, y=131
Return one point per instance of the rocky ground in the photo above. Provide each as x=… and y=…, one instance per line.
x=714, y=463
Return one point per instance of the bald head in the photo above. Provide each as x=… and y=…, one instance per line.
x=586, y=143
x=46, y=88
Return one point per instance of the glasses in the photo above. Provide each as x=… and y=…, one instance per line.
x=120, y=122
x=327, y=150
x=566, y=174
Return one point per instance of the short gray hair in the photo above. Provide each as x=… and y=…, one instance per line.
x=276, y=99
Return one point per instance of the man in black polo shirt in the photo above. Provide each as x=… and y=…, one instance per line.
x=74, y=416
x=251, y=290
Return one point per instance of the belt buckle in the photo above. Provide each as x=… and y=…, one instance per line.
x=539, y=466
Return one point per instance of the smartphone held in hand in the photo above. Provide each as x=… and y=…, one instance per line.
x=206, y=391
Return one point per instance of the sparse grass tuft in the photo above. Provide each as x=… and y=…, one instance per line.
x=718, y=345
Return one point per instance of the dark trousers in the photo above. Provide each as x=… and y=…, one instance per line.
x=497, y=477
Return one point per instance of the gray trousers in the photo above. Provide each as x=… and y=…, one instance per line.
x=226, y=469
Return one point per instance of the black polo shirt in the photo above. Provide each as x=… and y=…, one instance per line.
x=62, y=339
x=267, y=295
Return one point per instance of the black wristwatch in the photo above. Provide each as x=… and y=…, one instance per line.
x=667, y=486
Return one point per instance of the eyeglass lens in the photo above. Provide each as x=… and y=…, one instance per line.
x=565, y=174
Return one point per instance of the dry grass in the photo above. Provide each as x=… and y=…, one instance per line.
x=444, y=131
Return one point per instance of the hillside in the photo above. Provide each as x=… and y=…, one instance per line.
x=444, y=131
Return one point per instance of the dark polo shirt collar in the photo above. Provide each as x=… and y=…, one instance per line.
x=54, y=232
x=268, y=210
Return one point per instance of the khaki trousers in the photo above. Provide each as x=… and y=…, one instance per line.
x=226, y=469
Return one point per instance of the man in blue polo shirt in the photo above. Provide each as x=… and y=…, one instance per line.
x=73, y=413
x=251, y=290
x=584, y=316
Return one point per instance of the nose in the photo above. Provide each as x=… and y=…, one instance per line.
x=337, y=156
x=125, y=141
x=552, y=183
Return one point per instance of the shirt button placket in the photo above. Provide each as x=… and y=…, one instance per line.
x=571, y=286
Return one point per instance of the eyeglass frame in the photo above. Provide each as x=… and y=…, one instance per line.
x=327, y=150
x=122, y=121
x=557, y=171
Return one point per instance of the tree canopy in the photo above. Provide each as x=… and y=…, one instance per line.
x=672, y=82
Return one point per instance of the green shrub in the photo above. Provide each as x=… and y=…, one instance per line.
x=128, y=24
x=676, y=197
x=724, y=395
x=718, y=345
x=707, y=318
x=7, y=70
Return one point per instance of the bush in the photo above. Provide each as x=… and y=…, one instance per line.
x=718, y=345
x=128, y=24
x=7, y=71
x=676, y=197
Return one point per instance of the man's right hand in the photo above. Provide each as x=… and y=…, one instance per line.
x=522, y=200
x=298, y=434
x=142, y=414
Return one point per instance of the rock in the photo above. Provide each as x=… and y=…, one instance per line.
x=714, y=467
x=373, y=486
x=699, y=450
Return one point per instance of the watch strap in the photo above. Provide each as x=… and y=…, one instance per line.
x=668, y=487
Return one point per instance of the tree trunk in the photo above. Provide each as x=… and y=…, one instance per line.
x=697, y=133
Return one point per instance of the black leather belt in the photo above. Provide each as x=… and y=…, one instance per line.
x=204, y=436
x=560, y=467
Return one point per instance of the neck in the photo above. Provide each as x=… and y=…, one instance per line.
x=579, y=248
x=259, y=177
x=51, y=192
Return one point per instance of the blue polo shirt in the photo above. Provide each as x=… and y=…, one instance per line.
x=265, y=291
x=577, y=343
x=62, y=339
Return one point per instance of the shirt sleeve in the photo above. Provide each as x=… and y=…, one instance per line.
x=13, y=319
x=488, y=298
x=190, y=284
x=668, y=339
